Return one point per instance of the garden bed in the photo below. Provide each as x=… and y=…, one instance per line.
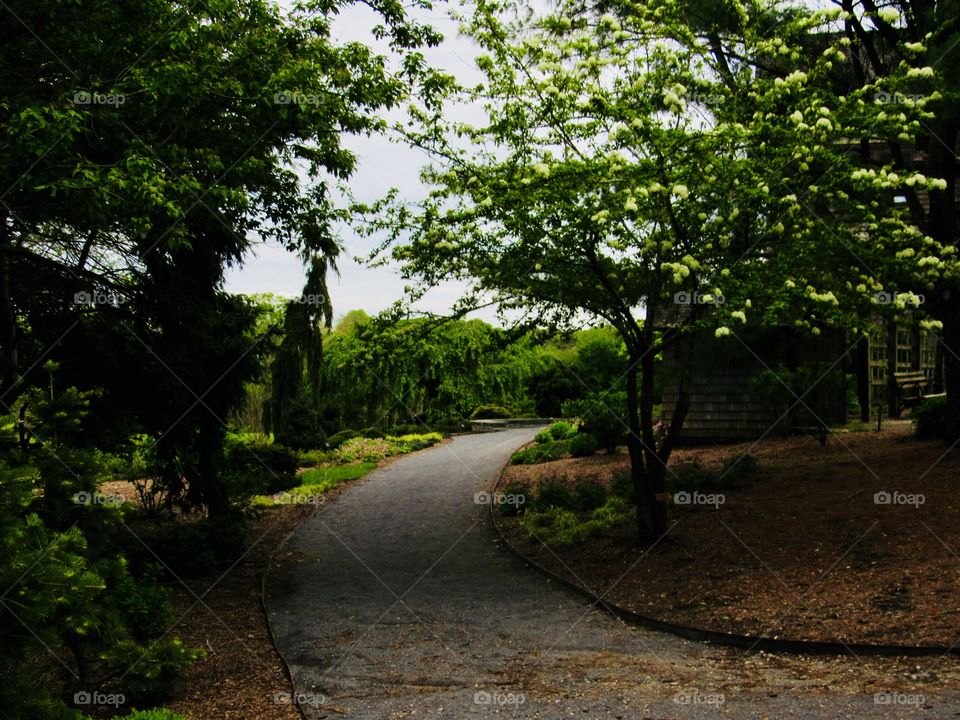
x=799, y=549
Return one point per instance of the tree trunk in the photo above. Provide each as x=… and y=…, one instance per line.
x=893, y=406
x=643, y=496
x=656, y=467
x=9, y=357
x=862, y=364
x=951, y=368
x=210, y=446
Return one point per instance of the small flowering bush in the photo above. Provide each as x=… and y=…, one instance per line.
x=365, y=450
x=414, y=441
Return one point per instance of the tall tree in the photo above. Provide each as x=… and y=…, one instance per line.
x=638, y=167
x=145, y=147
x=590, y=190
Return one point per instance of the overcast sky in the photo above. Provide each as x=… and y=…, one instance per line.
x=381, y=166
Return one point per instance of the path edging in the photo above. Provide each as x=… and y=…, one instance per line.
x=266, y=615
x=745, y=642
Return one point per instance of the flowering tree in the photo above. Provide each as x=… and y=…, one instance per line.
x=853, y=113
x=631, y=162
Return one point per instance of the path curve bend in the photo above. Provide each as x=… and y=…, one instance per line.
x=398, y=600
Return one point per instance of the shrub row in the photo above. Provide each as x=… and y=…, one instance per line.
x=558, y=527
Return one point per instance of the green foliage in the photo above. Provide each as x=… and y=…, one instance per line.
x=420, y=372
x=693, y=475
x=405, y=429
x=554, y=450
x=588, y=494
x=53, y=590
x=150, y=676
x=516, y=490
x=622, y=486
x=736, y=469
x=144, y=603
x=365, y=450
x=650, y=159
x=614, y=511
x=339, y=438
x=583, y=363
x=376, y=449
x=490, y=412
x=191, y=549
x=558, y=527
x=414, y=441
x=325, y=478
x=543, y=436
x=312, y=458
x=554, y=493
x=154, y=714
x=583, y=445
x=64, y=561
x=257, y=468
x=562, y=430
x=553, y=526
x=603, y=416
x=302, y=428
x=119, y=218
x=930, y=419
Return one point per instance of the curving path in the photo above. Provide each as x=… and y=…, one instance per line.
x=396, y=600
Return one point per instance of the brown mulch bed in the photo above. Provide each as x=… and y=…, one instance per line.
x=799, y=550
x=242, y=676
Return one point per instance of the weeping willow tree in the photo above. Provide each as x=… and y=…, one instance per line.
x=381, y=373
x=293, y=414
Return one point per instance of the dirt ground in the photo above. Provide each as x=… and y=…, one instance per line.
x=802, y=549
x=242, y=676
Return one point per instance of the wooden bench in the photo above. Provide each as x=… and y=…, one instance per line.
x=910, y=388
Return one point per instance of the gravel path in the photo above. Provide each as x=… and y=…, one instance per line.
x=396, y=600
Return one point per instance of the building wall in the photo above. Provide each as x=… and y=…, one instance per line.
x=726, y=402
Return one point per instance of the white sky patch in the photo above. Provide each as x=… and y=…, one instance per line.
x=381, y=165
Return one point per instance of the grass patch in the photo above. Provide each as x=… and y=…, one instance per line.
x=314, y=483
x=324, y=478
x=541, y=453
